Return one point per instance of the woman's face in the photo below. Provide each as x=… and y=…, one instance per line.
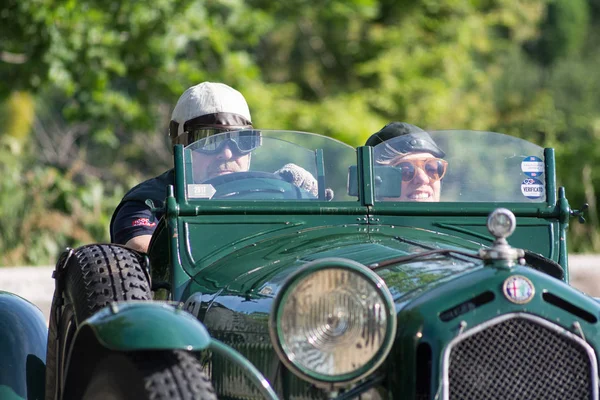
x=422, y=187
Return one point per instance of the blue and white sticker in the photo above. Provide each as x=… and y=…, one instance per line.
x=518, y=289
x=532, y=188
x=532, y=166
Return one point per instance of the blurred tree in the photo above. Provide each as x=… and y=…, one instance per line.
x=548, y=94
x=562, y=32
x=104, y=76
x=25, y=42
x=17, y=112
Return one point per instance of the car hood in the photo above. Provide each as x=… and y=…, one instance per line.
x=257, y=271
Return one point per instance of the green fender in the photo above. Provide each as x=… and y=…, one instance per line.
x=23, y=338
x=153, y=325
x=127, y=327
x=146, y=325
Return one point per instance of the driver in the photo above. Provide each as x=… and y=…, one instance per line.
x=219, y=152
x=202, y=111
x=416, y=154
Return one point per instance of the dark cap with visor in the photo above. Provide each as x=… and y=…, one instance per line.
x=208, y=109
x=413, y=139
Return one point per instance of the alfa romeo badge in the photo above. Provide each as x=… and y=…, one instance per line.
x=518, y=289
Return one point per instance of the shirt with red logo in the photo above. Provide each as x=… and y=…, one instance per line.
x=133, y=217
x=143, y=222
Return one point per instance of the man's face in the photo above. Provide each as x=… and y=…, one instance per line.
x=207, y=166
x=422, y=187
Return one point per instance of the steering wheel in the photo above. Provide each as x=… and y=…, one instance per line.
x=255, y=185
x=237, y=176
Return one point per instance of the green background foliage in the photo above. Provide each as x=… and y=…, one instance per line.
x=87, y=87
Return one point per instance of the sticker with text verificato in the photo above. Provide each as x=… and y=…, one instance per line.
x=532, y=188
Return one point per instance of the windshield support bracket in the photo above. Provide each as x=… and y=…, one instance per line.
x=366, y=192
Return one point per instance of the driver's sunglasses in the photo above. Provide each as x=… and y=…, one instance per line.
x=434, y=168
x=212, y=140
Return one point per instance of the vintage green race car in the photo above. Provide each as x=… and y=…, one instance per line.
x=257, y=285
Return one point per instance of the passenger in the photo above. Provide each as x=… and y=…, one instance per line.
x=202, y=110
x=411, y=149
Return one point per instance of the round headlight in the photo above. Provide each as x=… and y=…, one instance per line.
x=333, y=321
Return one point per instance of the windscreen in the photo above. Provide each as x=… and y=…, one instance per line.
x=268, y=165
x=460, y=166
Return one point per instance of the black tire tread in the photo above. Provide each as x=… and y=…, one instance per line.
x=99, y=274
x=51, y=351
x=151, y=375
x=95, y=276
x=176, y=375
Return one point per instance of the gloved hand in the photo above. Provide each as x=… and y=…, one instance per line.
x=303, y=179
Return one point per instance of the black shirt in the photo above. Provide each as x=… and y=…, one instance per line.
x=133, y=217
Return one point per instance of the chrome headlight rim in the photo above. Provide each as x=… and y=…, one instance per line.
x=287, y=289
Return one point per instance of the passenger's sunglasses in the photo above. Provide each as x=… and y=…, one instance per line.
x=212, y=140
x=435, y=168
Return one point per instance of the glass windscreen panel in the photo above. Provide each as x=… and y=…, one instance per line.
x=459, y=166
x=268, y=165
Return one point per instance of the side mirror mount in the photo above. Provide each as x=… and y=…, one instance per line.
x=388, y=181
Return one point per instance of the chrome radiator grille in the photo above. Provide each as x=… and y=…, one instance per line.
x=519, y=356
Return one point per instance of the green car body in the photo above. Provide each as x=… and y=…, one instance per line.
x=228, y=262
x=283, y=293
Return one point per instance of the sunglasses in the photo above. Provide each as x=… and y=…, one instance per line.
x=435, y=168
x=212, y=140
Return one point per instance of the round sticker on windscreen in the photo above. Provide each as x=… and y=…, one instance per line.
x=532, y=188
x=532, y=166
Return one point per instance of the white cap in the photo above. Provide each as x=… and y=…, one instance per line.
x=209, y=98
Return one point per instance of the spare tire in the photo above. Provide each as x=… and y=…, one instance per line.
x=93, y=277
